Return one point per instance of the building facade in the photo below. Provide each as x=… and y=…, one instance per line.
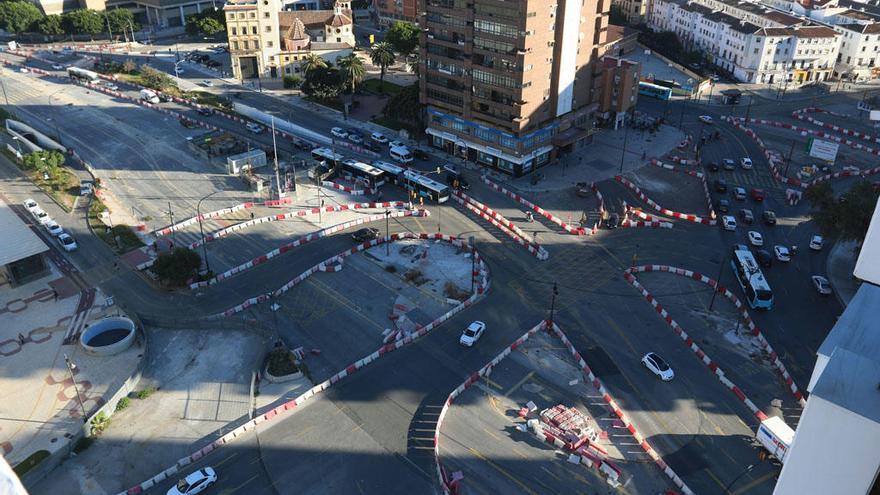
x=389, y=11
x=267, y=42
x=164, y=13
x=510, y=84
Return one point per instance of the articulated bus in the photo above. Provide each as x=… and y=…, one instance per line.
x=83, y=74
x=752, y=281
x=393, y=173
x=425, y=187
x=326, y=155
x=369, y=175
x=654, y=91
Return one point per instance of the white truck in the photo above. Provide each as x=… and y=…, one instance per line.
x=775, y=436
x=149, y=96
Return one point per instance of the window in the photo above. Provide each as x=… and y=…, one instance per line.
x=253, y=29
x=241, y=15
x=444, y=97
x=252, y=15
x=268, y=29
x=496, y=28
x=235, y=45
x=230, y=16
x=265, y=15
x=269, y=44
x=494, y=79
x=246, y=45
x=493, y=46
x=234, y=31
x=256, y=45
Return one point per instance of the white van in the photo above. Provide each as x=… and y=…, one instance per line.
x=401, y=154
x=149, y=96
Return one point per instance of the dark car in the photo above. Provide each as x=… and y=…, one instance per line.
x=205, y=111
x=713, y=167
x=723, y=206
x=747, y=216
x=758, y=194
x=365, y=234
x=302, y=144
x=720, y=185
x=613, y=221
x=420, y=154
x=769, y=217
x=764, y=258
x=456, y=181
x=729, y=164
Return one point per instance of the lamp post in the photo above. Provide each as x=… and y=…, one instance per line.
x=740, y=475
x=202, y=230
x=553, y=302
x=473, y=242
x=748, y=110
x=70, y=368
x=717, y=281
x=625, y=136
x=387, y=234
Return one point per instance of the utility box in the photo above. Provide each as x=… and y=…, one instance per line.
x=241, y=162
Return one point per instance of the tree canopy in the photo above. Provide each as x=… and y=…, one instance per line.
x=403, y=36
x=382, y=54
x=846, y=217
x=18, y=16
x=322, y=82
x=155, y=79
x=51, y=24
x=352, y=70
x=48, y=159
x=177, y=267
x=208, y=22
x=83, y=21
x=404, y=106
x=121, y=21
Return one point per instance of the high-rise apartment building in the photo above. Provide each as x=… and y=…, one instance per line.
x=507, y=84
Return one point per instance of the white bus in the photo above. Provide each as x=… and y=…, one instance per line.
x=359, y=171
x=425, y=187
x=393, y=173
x=83, y=74
x=326, y=155
x=752, y=281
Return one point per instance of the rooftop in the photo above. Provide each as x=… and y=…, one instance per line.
x=19, y=241
x=858, y=329
x=851, y=381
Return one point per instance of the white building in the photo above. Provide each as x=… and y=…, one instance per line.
x=755, y=44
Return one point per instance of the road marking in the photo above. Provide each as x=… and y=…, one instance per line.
x=754, y=483
x=502, y=471
x=519, y=383
x=226, y=459
x=235, y=489
x=492, y=383
x=544, y=468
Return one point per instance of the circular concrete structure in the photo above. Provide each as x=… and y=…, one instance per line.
x=109, y=336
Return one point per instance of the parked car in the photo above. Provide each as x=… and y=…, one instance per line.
x=207, y=83
x=109, y=85
x=706, y=119
x=339, y=132
x=728, y=164
x=758, y=194
x=57, y=67
x=379, y=138
x=723, y=206
x=769, y=217
x=746, y=216
x=713, y=167
x=420, y=154
x=365, y=234
x=166, y=97
x=254, y=127
x=205, y=111
x=816, y=243
x=822, y=285
x=53, y=228
x=195, y=482
x=782, y=253
x=728, y=222
x=764, y=258
x=739, y=193
x=472, y=333
x=746, y=163
x=396, y=144
x=658, y=366
x=41, y=216
x=720, y=185
x=755, y=238
x=355, y=138
x=67, y=242
x=30, y=205
x=456, y=181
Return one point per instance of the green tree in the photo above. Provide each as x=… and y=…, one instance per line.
x=50, y=25
x=121, y=21
x=382, y=54
x=322, y=82
x=403, y=36
x=18, y=17
x=83, y=21
x=312, y=61
x=207, y=22
x=48, y=160
x=352, y=70
x=178, y=266
x=129, y=67
x=404, y=106
x=846, y=217
x=155, y=79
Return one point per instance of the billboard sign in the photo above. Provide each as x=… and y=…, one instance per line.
x=823, y=150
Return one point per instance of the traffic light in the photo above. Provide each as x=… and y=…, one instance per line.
x=372, y=39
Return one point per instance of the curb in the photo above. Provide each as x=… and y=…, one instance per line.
x=664, y=211
x=535, y=208
x=750, y=324
x=502, y=223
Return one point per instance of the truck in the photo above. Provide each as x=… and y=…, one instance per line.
x=775, y=436
x=149, y=96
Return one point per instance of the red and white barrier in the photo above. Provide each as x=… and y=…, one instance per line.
x=631, y=224
x=535, y=208
x=347, y=189
x=629, y=275
x=802, y=114
x=259, y=260
x=664, y=211
x=693, y=173
x=502, y=223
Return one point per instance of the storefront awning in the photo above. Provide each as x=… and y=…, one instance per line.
x=571, y=135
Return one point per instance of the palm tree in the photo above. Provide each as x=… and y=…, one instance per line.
x=352, y=69
x=382, y=54
x=311, y=62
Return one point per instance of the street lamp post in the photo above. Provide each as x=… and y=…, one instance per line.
x=625, y=136
x=553, y=302
x=748, y=110
x=473, y=242
x=387, y=234
x=740, y=475
x=202, y=230
x=70, y=368
x=718, y=282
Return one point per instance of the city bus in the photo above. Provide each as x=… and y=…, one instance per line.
x=654, y=91
x=752, y=281
x=367, y=174
x=425, y=187
x=393, y=173
x=83, y=74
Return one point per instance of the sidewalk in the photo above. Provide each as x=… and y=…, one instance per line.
x=840, y=266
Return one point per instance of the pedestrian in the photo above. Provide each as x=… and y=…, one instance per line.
x=644, y=154
x=252, y=215
x=115, y=266
x=20, y=339
x=55, y=294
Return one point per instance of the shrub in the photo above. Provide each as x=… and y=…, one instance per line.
x=26, y=465
x=291, y=82
x=282, y=362
x=123, y=404
x=143, y=394
x=179, y=266
x=390, y=268
x=100, y=423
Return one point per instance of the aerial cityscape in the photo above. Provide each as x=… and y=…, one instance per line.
x=454, y=247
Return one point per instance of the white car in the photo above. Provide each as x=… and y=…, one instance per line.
x=57, y=67
x=355, y=138
x=207, y=83
x=746, y=163
x=195, y=482
x=706, y=119
x=53, y=228
x=782, y=253
x=396, y=144
x=658, y=366
x=728, y=222
x=41, y=216
x=379, y=137
x=23, y=70
x=339, y=132
x=67, y=242
x=816, y=243
x=109, y=85
x=472, y=333
x=253, y=127
x=755, y=238
x=821, y=284
x=30, y=205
